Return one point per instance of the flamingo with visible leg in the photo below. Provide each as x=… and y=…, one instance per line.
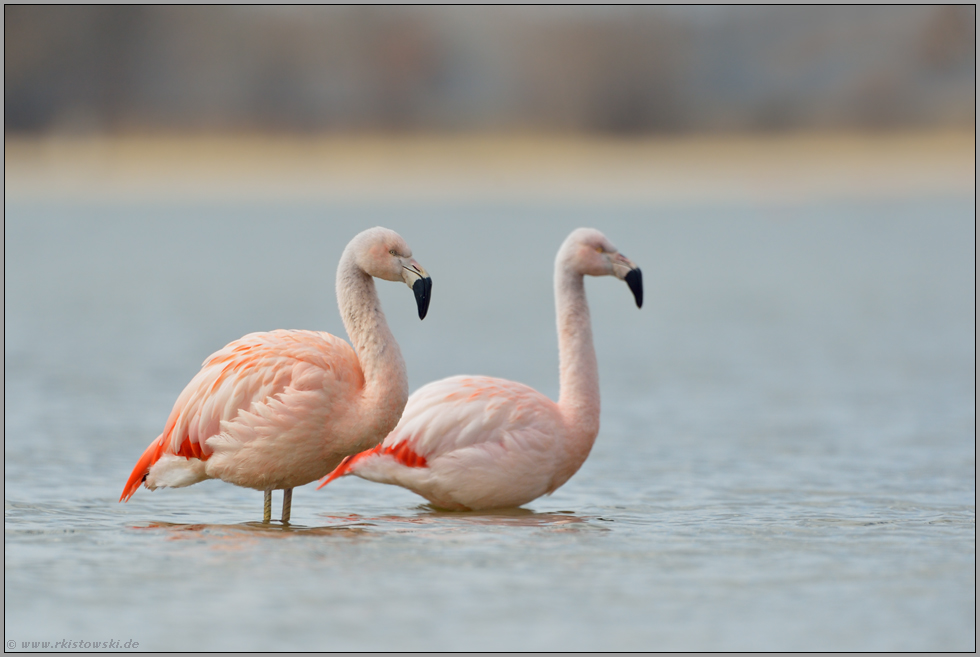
x=277, y=410
x=475, y=442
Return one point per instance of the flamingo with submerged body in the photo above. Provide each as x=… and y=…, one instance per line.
x=476, y=442
x=277, y=410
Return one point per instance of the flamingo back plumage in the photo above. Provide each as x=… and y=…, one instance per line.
x=243, y=391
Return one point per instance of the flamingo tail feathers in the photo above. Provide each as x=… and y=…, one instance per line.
x=150, y=456
x=343, y=469
x=400, y=452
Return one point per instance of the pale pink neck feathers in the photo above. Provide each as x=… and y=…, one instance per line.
x=385, y=378
x=578, y=399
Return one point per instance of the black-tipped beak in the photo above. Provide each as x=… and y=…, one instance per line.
x=423, y=292
x=635, y=280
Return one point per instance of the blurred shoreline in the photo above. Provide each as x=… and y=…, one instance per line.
x=772, y=167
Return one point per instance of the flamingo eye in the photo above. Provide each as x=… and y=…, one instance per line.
x=392, y=252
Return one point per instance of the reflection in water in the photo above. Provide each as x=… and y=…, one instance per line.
x=434, y=517
x=274, y=529
x=357, y=525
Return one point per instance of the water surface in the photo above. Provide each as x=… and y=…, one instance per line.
x=786, y=459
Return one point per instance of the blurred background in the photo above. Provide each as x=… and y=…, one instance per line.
x=612, y=70
x=787, y=459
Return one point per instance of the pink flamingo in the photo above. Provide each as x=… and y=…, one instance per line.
x=476, y=442
x=280, y=409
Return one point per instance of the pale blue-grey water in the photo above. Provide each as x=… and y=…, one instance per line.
x=787, y=456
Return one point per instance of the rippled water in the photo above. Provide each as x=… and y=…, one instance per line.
x=786, y=461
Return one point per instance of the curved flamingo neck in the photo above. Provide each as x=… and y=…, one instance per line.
x=578, y=400
x=385, y=377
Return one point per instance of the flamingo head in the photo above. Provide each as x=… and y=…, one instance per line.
x=384, y=254
x=590, y=253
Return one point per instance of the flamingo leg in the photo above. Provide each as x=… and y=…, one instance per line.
x=267, y=509
x=287, y=504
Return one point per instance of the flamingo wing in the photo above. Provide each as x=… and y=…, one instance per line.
x=466, y=411
x=246, y=377
x=462, y=439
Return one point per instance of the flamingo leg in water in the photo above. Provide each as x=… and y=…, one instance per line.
x=287, y=504
x=267, y=509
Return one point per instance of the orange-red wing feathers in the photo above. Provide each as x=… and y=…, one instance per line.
x=402, y=452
